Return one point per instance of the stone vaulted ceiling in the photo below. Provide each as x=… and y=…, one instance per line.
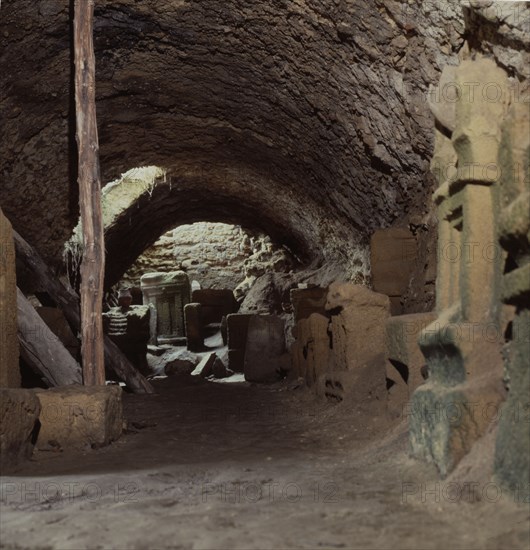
x=305, y=118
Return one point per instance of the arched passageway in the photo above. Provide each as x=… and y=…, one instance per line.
x=315, y=122
x=178, y=201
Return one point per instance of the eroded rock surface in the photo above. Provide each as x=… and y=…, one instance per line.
x=78, y=417
x=306, y=120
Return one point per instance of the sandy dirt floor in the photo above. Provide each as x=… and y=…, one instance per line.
x=219, y=466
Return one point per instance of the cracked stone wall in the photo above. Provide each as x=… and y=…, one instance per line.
x=304, y=119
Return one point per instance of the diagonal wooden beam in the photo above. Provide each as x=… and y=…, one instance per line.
x=32, y=267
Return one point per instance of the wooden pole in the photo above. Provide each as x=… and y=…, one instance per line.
x=93, y=263
x=31, y=267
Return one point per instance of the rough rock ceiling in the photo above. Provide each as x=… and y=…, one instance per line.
x=305, y=118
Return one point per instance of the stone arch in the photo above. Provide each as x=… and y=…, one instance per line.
x=147, y=202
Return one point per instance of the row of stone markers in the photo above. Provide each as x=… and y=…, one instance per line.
x=180, y=316
x=64, y=417
x=174, y=315
x=159, y=321
x=462, y=370
x=478, y=347
x=348, y=346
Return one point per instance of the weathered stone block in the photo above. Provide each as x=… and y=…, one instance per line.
x=306, y=301
x=404, y=357
x=311, y=354
x=236, y=360
x=215, y=304
x=80, y=416
x=19, y=414
x=365, y=387
x=238, y=330
x=167, y=293
x=9, y=369
x=179, y=367
x=219, y=369
x=265, y=347
x=392, y=256
x=358, y=324
x=446, y=422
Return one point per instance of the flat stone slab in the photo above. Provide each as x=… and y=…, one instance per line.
x=78, y=417
x=207, y=369
x=19, y=412
x=265, y=347
x=237, y=325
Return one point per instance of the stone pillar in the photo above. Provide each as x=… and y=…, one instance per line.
x=194, y=327
x=512, y=457
x=463, y=345
x=9, y=368
x=167, y=294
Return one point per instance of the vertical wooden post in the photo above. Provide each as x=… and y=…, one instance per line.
x=93, y=263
